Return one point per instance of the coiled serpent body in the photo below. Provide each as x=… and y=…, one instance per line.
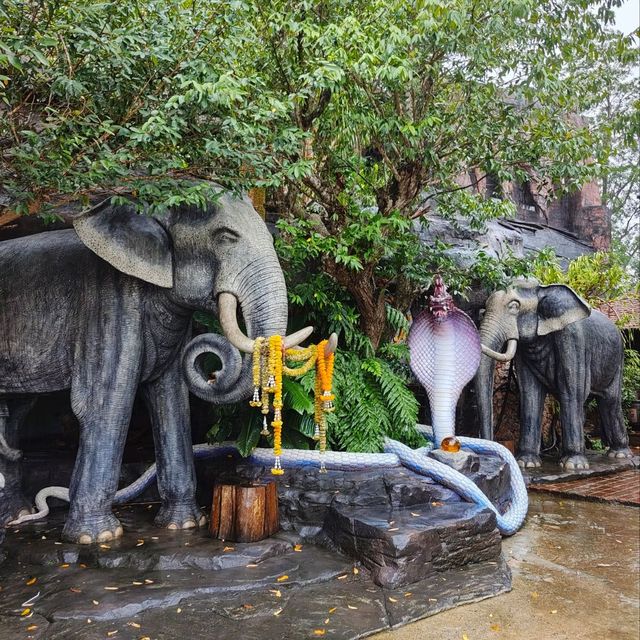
x=395, y=454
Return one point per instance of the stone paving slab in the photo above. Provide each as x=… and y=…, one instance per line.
x=623, y=488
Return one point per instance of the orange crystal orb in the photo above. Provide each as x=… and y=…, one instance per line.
x=451, y=444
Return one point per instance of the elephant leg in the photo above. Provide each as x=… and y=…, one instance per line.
x=572, y=418
x=612, y=424
x=13, y=502
x=102, y=394
x=532, y=396
x=167, y=399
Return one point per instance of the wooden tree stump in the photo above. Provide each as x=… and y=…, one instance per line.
x=244, y=513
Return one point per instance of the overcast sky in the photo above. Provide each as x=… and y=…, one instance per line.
x=628, y=16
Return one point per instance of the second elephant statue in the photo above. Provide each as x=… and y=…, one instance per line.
x=562, y=347
x=105, y=308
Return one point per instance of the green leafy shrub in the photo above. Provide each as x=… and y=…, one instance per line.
x=599, y=277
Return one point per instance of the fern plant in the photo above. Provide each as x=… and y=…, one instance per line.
x=372, y=401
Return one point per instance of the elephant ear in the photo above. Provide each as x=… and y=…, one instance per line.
x=135, y=244
x=558, y=306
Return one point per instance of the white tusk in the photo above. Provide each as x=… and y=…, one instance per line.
x=502, y=357
x=227, y=305
x=296, y=338
x=332, y=345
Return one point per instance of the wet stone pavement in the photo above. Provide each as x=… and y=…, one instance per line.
x=160, y=584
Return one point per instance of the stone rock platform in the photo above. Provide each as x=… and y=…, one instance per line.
x=359, y=553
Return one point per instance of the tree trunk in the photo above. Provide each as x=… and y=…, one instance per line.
x=244, y=513
x=370, y=301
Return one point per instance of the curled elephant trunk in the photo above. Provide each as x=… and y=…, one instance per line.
x=492, y=337
x=263, y=301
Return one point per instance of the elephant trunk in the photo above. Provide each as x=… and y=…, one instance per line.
x=263, y=301
x=492, y=336
x=6, y=451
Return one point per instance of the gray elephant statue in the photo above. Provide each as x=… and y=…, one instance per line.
x=105, y=308
x=562, y=347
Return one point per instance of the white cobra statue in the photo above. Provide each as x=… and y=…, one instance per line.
x=445, y=353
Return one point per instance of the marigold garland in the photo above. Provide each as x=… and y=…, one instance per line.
x=269, y=364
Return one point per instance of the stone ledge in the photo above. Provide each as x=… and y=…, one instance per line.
x=402, y=546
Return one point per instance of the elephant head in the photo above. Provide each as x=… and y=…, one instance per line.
x=522, y=313
x=210, y=259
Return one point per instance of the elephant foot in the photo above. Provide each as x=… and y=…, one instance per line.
x=180, y=516
x=13, y=507
x=92, y=528
x=574, y=462
x=622, y=452
x=529, y=461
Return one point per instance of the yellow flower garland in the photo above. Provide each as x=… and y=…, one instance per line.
x=269, y=363
x=275, y=367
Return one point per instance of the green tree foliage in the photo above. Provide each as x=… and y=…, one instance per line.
x=599, y=277
x=363, y=112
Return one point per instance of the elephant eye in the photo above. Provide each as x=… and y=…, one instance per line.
x=226, y=235
x=513, y=306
